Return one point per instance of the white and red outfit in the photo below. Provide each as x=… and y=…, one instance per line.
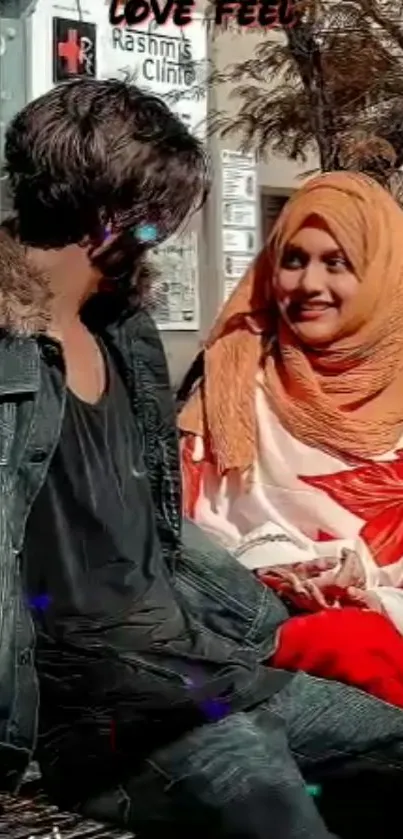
x=317, y=429
x=303, y=503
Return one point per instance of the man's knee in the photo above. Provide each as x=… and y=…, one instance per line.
x=238, y=776
x=222, y=761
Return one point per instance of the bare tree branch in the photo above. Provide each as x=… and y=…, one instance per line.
x=334, y=84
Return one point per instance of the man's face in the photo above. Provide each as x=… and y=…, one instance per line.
x=115, y=258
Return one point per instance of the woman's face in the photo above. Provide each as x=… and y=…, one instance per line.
x=314, y=284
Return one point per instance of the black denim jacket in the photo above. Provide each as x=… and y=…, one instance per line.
x=31, y=413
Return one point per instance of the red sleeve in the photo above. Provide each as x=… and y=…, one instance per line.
x=192, y=473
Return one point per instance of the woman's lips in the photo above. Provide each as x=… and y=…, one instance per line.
x=312, y=312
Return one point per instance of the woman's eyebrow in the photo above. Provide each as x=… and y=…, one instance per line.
x=326, y=253
x=290, y=248
x=332, y=252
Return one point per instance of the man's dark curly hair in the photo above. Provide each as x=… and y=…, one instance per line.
x=90, y=152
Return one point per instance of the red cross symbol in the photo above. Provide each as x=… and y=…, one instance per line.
x=70, y=50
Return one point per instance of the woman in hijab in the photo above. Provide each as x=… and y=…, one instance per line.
x=293, y=439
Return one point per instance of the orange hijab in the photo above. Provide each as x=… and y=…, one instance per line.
x=347, y=397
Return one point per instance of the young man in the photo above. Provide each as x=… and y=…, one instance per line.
x=156, y=709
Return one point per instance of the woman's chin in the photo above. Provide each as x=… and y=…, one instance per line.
x=316, y=332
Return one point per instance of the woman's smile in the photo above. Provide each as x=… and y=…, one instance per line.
x=309, y=310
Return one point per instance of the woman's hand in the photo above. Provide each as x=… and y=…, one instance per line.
x=350, y=577
x=368, y=600
x=316, y=584
x=299, y=582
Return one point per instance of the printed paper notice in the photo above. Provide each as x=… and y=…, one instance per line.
x=176, y=291
x=235, y=266
x=240, y=214
x=240, y=240
x=238, y=176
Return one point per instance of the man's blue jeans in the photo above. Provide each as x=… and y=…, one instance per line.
x=244, y=776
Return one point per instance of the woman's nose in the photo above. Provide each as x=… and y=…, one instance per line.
x=311, y=279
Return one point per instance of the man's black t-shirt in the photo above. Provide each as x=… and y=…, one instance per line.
x=91, y=540
x=114, y=642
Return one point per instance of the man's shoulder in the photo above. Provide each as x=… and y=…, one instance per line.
x=142, y=326
x=19, y=364
x=142, y=340
x=24, y=291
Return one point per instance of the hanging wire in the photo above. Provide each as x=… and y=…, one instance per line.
x=79, y=10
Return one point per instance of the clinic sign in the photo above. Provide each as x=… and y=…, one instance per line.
x=168, y=61
x=162, y=59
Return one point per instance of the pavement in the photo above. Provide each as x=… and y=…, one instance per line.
x=30, y=816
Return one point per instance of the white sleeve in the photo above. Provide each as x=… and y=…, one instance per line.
x=272, y=545
x=392, y=602
x=385, y=582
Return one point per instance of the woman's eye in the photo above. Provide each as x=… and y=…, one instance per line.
x=337, y=264
x=292, y=260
